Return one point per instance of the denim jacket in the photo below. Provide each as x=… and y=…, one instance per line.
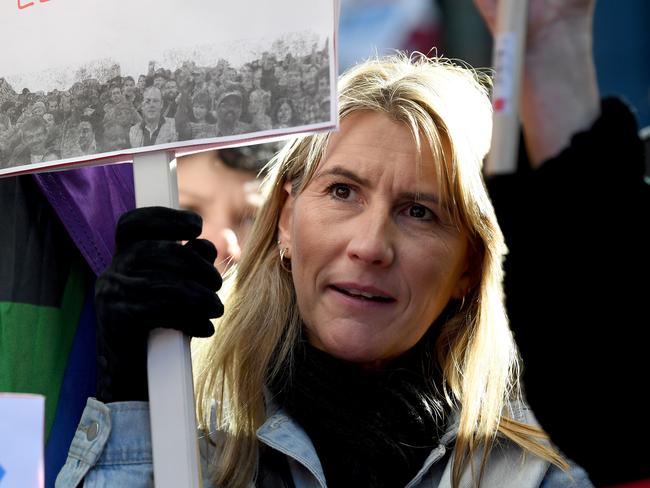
x=112, y=447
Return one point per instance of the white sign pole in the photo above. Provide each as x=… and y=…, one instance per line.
x=509, y=43
x=171, y=391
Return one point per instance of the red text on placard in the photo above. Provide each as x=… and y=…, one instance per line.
x=22, y=4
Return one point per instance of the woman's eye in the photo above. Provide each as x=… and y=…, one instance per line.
x=340, y=191
x=419, y=212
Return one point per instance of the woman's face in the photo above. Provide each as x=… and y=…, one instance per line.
x=200, y=111
x=374, y=258
x=225, y=198
x=284, y=113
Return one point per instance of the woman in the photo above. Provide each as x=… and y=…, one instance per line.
x=202, y=125
x=377, y=331
x=284, y=114
x=193, y=118
x=383, y=256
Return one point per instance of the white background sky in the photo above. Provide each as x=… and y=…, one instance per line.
x=60, y=35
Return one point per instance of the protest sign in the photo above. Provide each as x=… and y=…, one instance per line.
x=22, y=419
x=508, y=60
x=97, y=81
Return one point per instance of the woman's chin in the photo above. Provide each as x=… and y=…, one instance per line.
x=361, y=354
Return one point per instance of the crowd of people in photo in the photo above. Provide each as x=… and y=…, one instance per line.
x=163, y=106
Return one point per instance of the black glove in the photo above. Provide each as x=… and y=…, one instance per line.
x=153, y=281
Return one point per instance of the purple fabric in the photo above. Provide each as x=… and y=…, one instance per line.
x=89, y=202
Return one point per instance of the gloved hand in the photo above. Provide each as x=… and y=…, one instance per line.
x=153, y=281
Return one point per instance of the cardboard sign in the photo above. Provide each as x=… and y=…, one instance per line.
x=22, y=421
x=97, y=81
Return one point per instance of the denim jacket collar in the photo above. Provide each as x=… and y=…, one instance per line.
x=509, y=466
x=282, y=433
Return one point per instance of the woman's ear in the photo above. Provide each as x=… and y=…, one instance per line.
x=463, y=285
x=285, y=222
x=470, y=276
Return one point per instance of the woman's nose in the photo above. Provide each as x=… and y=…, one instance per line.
x=372, y=238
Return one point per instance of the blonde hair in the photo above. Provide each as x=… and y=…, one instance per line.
x=446, y=107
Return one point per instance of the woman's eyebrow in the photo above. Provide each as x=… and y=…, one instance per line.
x=341, y=171
x=419, y=197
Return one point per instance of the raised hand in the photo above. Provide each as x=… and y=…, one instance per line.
x=559, y=90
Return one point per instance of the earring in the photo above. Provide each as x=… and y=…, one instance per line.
x=285, y=262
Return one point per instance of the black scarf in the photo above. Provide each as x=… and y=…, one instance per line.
x=369, y=428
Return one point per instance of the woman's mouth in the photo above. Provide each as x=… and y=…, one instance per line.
x=365, y=294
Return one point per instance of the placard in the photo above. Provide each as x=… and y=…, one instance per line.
x=22, y=422
x=98, y=81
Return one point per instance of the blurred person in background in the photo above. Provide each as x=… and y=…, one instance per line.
x=223, y=188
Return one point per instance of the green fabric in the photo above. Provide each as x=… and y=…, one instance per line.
x=35, y=342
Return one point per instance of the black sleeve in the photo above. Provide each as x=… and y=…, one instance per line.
x=577, y=291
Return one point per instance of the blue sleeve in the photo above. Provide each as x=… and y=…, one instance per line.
x=575, y=477
x=111, y=447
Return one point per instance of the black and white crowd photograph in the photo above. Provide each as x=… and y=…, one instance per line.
x=183, y=92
